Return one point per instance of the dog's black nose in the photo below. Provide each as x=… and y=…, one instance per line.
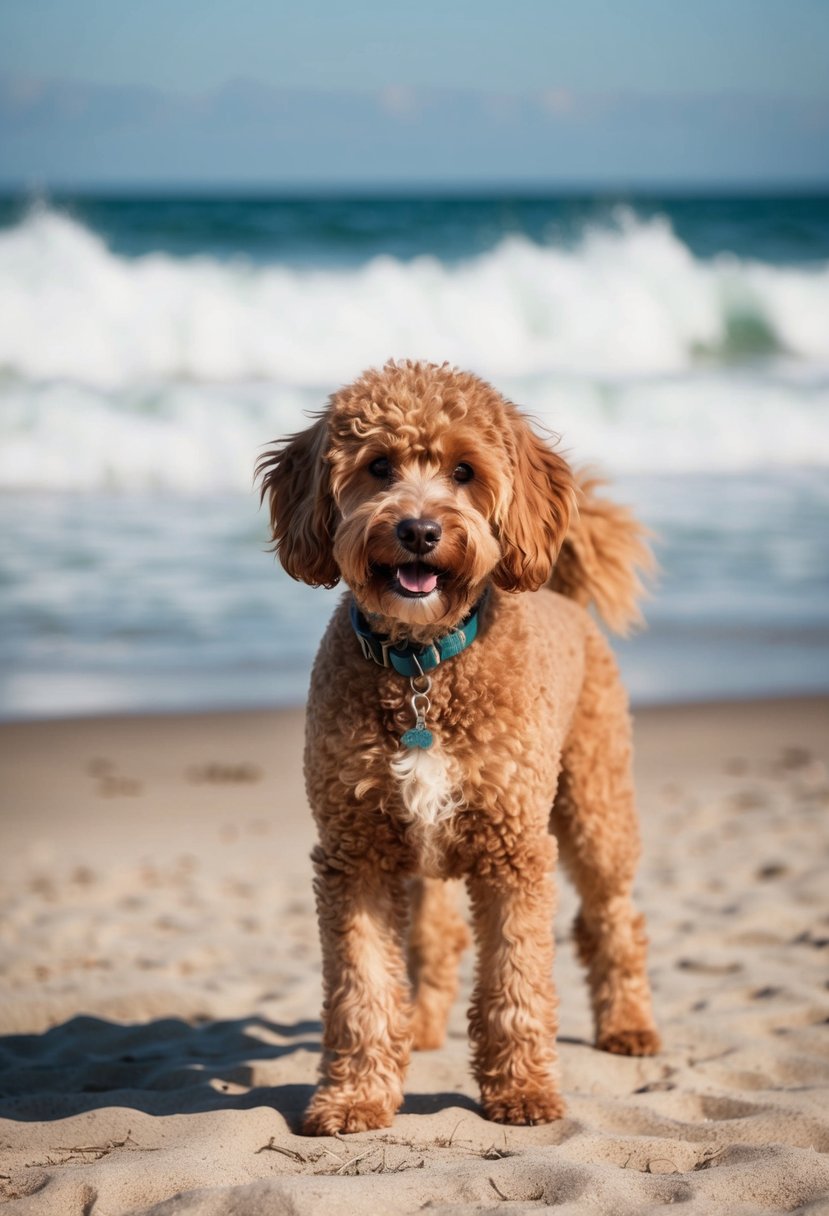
x=418, y=535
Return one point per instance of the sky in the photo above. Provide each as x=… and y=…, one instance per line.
x=471, y=91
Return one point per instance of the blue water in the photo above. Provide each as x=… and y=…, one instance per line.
x=329, y=231
x=150, y=346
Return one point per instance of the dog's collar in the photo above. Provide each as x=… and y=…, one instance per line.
x=411, y=658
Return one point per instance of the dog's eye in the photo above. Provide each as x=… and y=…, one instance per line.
x=380, y=468
x=463, y=473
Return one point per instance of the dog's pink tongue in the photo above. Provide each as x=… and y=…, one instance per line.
x=417, y=578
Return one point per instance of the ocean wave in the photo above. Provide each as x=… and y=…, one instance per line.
x=203, y=439
x=163, y=373
x=628, y=300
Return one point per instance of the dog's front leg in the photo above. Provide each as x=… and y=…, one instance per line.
x=513, y=1014
x=366, y=1013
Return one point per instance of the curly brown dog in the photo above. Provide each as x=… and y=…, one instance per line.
x=451, y=724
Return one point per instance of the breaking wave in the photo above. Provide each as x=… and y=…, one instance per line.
x=627, y=300
x=158, y=371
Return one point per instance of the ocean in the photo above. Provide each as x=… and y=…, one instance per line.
x=150, y=347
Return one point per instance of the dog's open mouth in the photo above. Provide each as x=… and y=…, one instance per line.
x=414, y=580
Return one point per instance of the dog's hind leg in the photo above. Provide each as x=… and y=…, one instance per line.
x=438, y=937
x=594, y=819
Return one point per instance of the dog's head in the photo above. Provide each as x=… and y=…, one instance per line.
x=418, y=485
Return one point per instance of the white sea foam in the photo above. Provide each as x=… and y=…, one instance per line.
x=187, y=438
x=136, y=373
x=627, y=300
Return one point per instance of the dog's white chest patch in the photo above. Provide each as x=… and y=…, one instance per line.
x=427, y=789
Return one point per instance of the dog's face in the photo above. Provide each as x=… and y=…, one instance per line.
x=418, y=486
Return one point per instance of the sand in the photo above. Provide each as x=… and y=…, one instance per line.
x=159, y=1029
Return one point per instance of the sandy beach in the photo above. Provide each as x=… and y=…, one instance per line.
x=159, y=1007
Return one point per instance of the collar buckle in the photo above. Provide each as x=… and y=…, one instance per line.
x=367, y=645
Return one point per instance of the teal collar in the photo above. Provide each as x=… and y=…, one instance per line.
x=410, y=658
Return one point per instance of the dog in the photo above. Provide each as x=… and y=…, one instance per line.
x=465, y=721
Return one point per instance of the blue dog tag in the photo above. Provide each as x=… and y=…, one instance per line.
x=417, y=737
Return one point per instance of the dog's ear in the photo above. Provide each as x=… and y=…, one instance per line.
x=533, y=526
x=295, y=478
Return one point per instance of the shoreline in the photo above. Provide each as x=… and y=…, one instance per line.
x=637, y=707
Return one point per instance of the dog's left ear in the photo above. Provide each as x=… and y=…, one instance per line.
x=295, y=478
x=535, y=522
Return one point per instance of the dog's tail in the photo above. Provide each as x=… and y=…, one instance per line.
x=605, y=559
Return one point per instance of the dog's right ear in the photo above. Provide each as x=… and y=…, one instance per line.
x=295, y=478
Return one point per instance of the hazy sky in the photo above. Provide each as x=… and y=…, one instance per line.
x=656, y=90
x=650, y=46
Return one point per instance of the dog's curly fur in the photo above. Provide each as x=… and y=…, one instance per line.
x=531, y=731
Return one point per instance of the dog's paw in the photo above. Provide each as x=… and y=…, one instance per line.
x=523, y=1106
x=643, y=1042
x=331, y=1114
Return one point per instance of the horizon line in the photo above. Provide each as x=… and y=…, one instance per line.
x=416, y=188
